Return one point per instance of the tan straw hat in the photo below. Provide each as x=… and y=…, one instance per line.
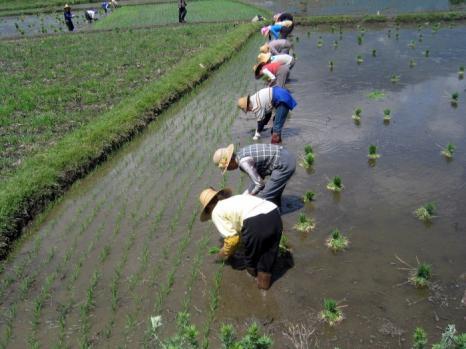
x=209, y=194
x=66, y=6
x=263, y=57
x=264, y=48
x=222, y=157
x=243, y=103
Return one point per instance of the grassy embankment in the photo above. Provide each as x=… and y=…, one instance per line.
x=42, y=177
x=199, y=11
x=401, y=18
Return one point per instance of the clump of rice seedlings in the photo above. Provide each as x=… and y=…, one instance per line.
x=284, y=246
x=304, y=224
x=420, y=37
x=461, y=72
x=331, y=314
x=412, y=44
x=419, y=338
x=376, y=95
x=373, y=155
x=412, y=63
x=359, y=59
x=307, y=160
x=308, y=196
x=330, y=65
x=394, y=79
x=335, y=184
x=426, y=212
x=297, y=38
x=397, y=36
x=308, y=34
x=387, y=115
x=308, y=149
x=320, y=42
x=374, y=52
x=359, y=39
x=357, y=114
x=418, y=276
x=336, y=241
x=454, y=98
x=449, y=150
x=214, y=250
x=389, y=33
x=335, y=44
x=426, y=53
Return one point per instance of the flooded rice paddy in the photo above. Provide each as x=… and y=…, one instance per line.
x=126, y=243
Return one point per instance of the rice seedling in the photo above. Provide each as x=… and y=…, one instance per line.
x=359, y=39
x=449, y=150
x=374, y=52
x=333, y=28
x=335, y=44
x=376, y=95
x=412, y=63
x=335, y=184
x=426, y=53
x=336, y=241
x=454, y=99
x=387, y=115
x=330, y=65
x=214, y=250
x=373, y=155
x=420, y=37
x=412, y=44
x=419, y=338
x=307, y=160
x=359, y=59
x=418, y=276
x=308, y=196
x=397, y=36
x=357, y=114
x=461, y=72
x=304, y=224
x=297, y=38
x=394, y=79
x=320, y=42
x=308, y=149
x=284, y=246
x=331, y=313
x=426, y=212
x=389, y=33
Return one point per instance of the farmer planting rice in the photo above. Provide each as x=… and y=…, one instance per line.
x=279, y=30
x=260, y=161
x=281, y=17
x=262, y=103
x=282, y=58
x=68, y=17
x=276, y=74
x=276, y=47
x=253, y=221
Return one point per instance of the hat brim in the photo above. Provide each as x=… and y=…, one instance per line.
x=221, y=194
x=245, y=111
x=257, y=71
x=230, y=151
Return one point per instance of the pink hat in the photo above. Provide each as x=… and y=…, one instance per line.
x=265, y=30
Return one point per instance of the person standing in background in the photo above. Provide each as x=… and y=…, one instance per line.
x=182, y=11
x=68, y=17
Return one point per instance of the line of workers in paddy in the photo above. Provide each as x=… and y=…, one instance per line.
x=251, y=222
x=90, y=14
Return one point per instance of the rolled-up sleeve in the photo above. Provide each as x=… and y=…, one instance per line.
x=247, y=165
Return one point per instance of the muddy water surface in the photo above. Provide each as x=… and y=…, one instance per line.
x=125, y=243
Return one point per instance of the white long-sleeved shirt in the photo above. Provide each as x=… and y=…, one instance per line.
x=283, y=59
x=261, y=102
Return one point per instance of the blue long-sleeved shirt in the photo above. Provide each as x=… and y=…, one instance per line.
x=68, y=16
x=275, y=30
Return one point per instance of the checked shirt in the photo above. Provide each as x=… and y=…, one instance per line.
x=266, y=157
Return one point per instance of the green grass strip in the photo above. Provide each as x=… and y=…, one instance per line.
x=401, y=18
x=45, y=176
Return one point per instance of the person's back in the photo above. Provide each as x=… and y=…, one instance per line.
x=266, y=157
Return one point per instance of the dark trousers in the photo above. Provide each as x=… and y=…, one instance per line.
x=281, y=76
x=281, y=113
x=70, y=25
x=261, y=238
x=182, y=14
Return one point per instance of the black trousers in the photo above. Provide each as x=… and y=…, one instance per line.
x=182, y=14
x=261, y=238
x=70, y=25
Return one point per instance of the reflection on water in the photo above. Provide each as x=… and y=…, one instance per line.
x=333, y=7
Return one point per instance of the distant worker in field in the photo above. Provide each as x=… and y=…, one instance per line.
x=281, y=17
x=68, y=17
x=276, y=47
x=105, y=6
x=91, y=15
x=253, y=221
x=275, y=73
x=277, y=31
x=259, y=161
x=114, y=4
x=182, y=10
x=262, y=103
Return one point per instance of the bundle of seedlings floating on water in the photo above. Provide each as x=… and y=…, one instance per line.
x=308, y=196
x=359, y=39
x=449, y=150
x=412, y=63
x=307, y=159
x=336, y=241
x=359, y=59
x=426, y=212
x=284, y=246
x=330, y=65
x=461, y=72
x=394, y=79
x=320, y=42
x=335, y=184
x=357, y=114
x=373, y=155
x=454, y=99
x=418, y=276
x=332, y=313
x=387, y=115
x=304, y=224
x=214, y=250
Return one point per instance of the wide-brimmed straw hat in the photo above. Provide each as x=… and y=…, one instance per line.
x=263, y=57
x=222, y=157
x=243, y=103
x=264, y=48
x=257, y=70
x=66, y=6
x=206, y=197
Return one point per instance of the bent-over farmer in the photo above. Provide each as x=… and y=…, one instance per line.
x=253, y=221
x=275, y=73
x=262, y=104
x=68, y=17
x=276, y=47
x=260, y=161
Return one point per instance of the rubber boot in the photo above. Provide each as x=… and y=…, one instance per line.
x=264, y=280
x=276, y=138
